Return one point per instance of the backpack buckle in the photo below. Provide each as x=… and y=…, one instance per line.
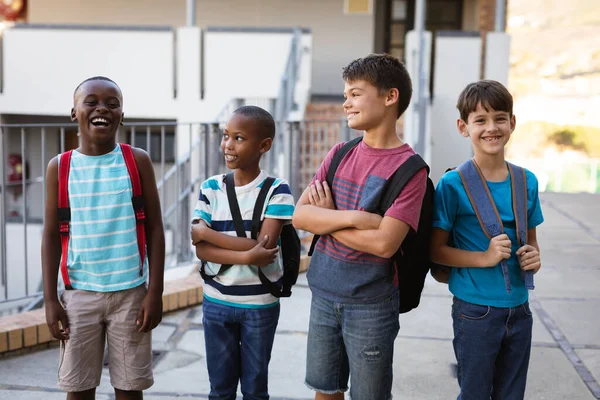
x=64, y=218
x=140, y=216
x=138, y=207
x=64, y=228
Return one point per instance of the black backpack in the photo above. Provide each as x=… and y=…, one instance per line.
x=412, y=259
x=290, y=242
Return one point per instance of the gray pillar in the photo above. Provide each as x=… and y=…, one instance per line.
x=500, y=15
x=422, y=107
x=191, y=13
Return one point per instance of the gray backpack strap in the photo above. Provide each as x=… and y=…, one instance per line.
x=518, y=180
x=484, y=207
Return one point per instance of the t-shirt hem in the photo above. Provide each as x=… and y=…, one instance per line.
x=493, y=303
x=89, y=288
x=351, y=300
x=240, y=305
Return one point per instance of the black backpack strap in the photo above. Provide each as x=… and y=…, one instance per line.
x=398, y=181
x=271, y=287
x=335, y=163
x=259, y=205
x=238, y=223
x=234, y=206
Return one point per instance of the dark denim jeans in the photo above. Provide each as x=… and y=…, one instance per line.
x=238, y=348
x=352, y=340
x=492, y=347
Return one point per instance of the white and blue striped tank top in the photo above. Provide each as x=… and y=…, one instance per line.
x=103, y=250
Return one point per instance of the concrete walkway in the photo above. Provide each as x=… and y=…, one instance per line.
x=565, y=361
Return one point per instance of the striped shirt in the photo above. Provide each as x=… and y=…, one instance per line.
x=213, y=208
x=103, y=250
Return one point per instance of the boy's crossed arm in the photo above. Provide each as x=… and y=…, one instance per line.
x=359, y=230
x=316, y=213
x=219, y=248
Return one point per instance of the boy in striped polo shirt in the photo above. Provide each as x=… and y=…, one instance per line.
x=239, y=315
x=107, y=298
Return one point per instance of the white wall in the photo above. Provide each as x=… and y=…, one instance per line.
x=338, y=38
x=42, y=67
x=457, y=63
x=164, y=77
x=244, y=68
x=497, y=57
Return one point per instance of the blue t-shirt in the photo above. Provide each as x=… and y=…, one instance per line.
x=453, y=213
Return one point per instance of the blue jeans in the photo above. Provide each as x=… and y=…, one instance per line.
x=492, y=347
x=238, y=348
x=352, y=340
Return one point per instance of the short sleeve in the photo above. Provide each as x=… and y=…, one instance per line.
x=407, y=207
x=534, y=209
x=445, y=204
x=281, y=202
x=202, y=211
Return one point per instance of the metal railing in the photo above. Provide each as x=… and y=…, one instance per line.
x=188, y=154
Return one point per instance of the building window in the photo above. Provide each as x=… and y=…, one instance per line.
x=141, y=140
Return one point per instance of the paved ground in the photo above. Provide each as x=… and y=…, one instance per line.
x=565, y=362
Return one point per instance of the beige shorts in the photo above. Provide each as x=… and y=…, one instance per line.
x=94, y=319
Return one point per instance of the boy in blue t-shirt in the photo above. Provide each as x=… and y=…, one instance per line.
x=492, y=327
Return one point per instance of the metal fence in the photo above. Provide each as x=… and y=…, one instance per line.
x=184, y=154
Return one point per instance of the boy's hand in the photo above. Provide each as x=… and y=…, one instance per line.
x=529, y=258
x=55, y=313
x=197, y=232
x=319, y=195
x=260, y=256
x=150, y=313
x=498, y=250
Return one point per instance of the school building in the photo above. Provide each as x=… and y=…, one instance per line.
x=184, y=66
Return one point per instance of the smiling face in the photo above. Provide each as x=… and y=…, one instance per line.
x=243, y=142
x=365, y=106
x=489, y=130
x=98, y=111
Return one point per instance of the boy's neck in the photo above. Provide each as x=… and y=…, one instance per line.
x=242, y=177
x=383, y=136
x=493, y=168
x=96, y=149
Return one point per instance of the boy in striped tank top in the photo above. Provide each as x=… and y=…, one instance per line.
x=239, y=315
x=106, y=297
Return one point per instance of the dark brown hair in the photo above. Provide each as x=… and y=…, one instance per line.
x=490, y=94
x=384, y=72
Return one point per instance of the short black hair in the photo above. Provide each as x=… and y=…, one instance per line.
x=96, y=78
x=261, y=116
x=385, y=72
x=492, y=95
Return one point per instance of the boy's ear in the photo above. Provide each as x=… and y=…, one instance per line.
x=121, y=122
x=513, y=123
x=392, y=97
x=73, y=115
x=462, y=127
x=265, y=145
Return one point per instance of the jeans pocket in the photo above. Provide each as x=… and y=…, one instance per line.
x=526, y=308
x=473, y=311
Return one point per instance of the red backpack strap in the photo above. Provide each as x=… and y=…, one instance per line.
x=64, y=213
x=137, y=200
